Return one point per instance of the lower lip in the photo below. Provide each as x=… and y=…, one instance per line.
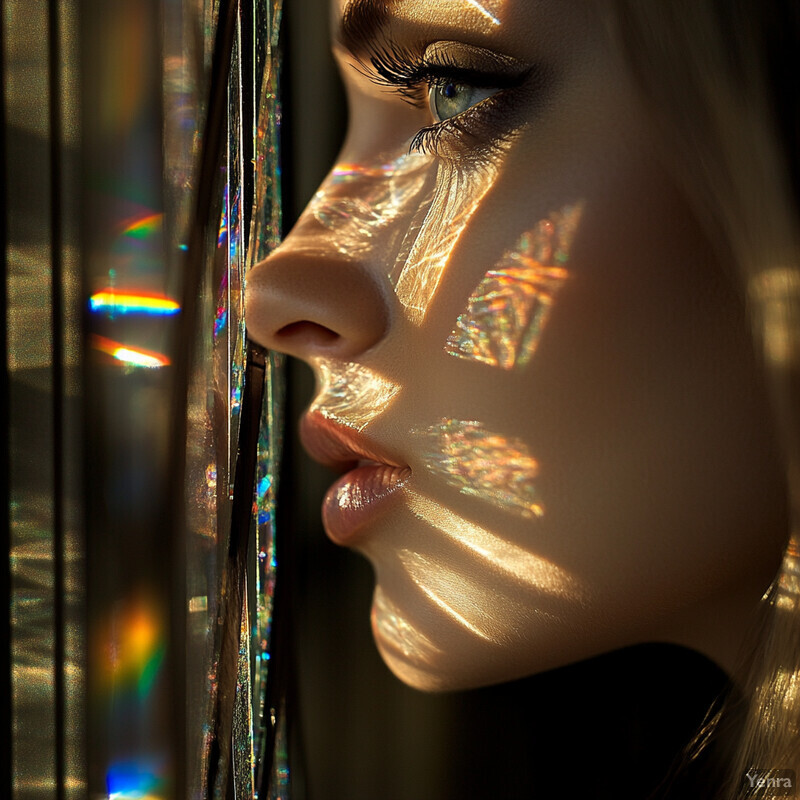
x=358, y=498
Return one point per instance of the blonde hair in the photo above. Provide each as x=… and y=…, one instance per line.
x=711, y=72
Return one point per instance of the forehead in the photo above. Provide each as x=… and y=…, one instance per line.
x=489, y=12
x=520, y=28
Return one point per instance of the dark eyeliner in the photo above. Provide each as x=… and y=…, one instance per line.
x=411, y=73
x=399, y=69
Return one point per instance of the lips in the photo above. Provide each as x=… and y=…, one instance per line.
x=365, y=491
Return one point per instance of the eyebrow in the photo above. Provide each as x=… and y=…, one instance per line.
x=362, y=22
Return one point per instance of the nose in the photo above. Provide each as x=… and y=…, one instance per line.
x=310, y=303
x=325, y=291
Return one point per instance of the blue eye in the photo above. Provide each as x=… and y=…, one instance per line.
x=447, y=98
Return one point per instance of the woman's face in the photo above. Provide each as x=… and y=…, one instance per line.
x=535, y=370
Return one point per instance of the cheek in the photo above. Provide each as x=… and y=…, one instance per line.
x=649, y=418
x=607, y=358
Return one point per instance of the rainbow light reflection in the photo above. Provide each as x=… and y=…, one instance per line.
x=134, y=780
x=507, y=311
x=134, y=650
x=114, y=302
x=483, y=464
x=130, y=356
x=142, y=227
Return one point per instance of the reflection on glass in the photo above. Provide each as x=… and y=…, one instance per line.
x=483, y=464
x=229, y=741
x=508, y=310
x=352, y=395
x=136, y=780
x=132, y=649
x=429, y=243
x=496, y=552
x=358, y=200
x=128, y=655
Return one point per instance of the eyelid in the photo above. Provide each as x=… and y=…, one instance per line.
x=411, y=71
x=472, y=58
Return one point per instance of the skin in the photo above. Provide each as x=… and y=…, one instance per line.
x=660, y=511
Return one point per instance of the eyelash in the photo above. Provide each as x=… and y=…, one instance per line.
x=412, y=77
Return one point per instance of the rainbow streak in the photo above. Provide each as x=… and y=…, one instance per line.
x=222, y=233
x=122, y=303
x=131, y=356
x=143, y=227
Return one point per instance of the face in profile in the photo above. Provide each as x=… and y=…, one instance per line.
x=532, y=367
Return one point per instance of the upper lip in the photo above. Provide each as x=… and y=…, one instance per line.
x=336, y=445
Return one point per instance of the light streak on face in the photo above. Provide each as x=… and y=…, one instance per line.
x=508, y=310
x=398, y=632
x=483, y=464
x=416, y=275
x=352, y=394
x=113, y=302
x=359, y=200
x=130, y=356
x=484, y=11
x=469, y=603
x=516, y=562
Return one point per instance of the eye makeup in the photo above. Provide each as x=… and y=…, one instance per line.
x=490, y=78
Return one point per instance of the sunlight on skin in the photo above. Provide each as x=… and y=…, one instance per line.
x=459, y=195
x=352, y=394
x=508, y=310
x=515, y=561
x=358, y=200
x=599, y=427
x=473, y=606
x=483, y=464
x=399, y=633
x=484, y=11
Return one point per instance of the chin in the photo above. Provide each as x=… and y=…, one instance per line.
x=442, y=659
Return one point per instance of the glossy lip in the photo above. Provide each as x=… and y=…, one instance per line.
x=365, y=491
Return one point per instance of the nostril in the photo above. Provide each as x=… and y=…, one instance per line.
x=311, y=303
x=306, y=334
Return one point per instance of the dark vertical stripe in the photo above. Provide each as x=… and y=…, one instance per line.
x=5, y=467
x=57, y=321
